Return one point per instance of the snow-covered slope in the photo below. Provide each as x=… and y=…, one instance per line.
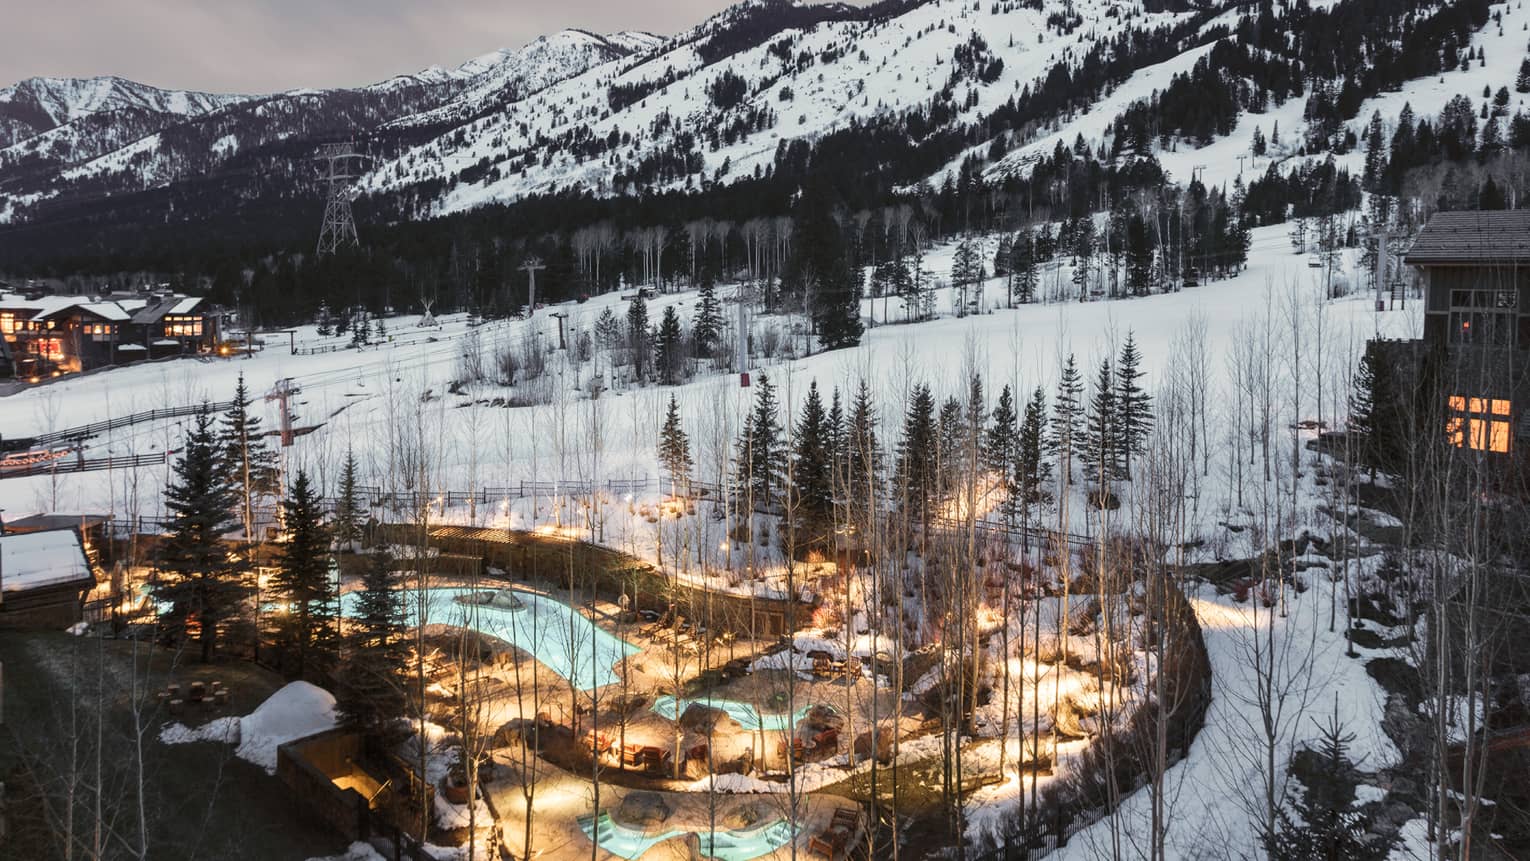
x=798, y=83
x=509, y=75
x=40, y=104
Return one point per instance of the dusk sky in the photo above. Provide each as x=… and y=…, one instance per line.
x=257, y=46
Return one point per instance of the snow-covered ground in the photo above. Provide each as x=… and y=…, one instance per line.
x=376, y=400
x=297, y=710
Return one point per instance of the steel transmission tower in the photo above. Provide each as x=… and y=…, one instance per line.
x=339, y=225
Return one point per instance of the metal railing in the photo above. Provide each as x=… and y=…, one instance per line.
x=96, y=428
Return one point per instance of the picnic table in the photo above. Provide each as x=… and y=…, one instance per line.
x=597, y=742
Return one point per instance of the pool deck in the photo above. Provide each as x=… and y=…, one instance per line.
x=562, y=798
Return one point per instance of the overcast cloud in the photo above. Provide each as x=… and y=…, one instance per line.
x=255, y=46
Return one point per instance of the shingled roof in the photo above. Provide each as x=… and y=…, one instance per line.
x=1496, y=238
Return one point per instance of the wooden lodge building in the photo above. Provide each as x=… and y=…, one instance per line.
x=45, y=333
x=1475, y=268
x=44, y=576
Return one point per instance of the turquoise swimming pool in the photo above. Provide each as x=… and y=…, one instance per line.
x=559, y=637
x=745, y=845
x=619, y=839
x=722, y=845
x=746, y=714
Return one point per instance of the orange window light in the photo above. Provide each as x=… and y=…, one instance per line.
x=1500, y=407
x=1498, y=437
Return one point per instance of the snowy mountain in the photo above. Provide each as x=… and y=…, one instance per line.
x=37, y=105
x=919, y=91
x=73, y=140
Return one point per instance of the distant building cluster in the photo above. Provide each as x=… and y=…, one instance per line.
x=44, y=333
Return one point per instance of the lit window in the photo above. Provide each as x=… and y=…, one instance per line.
x=1481, y=424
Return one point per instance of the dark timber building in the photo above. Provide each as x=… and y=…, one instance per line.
x=1476, y=271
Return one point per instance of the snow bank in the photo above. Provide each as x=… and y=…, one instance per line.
x=297, y=710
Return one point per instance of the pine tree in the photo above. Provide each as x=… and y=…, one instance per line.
x=201, y=579
x=361, y=331
x=915, y=472
x=1000, y=447
x=303, y=579
x=1031, y=466
x=812, y=479
x=373, y=678
x=1376, y=412
x=1133, y=408
x=608, y=330
x=1023, y=265
x=675, y=449
x=761, y=454
x=951, y=437
x=1097, y=448
x=1002, y=255
x=1083, y=255
x=1375, y=156
x=1259, y=146
x=251, y=465
x=820, y=268
x=1326, y=826
x=1522, y=81
x=837, y=430
x=1067, y=417
x=348, y=507
x=669, y=348
x=706, y=329
x=1139, y=256
x=966, y=275
x=863, y=458
x=638, y=335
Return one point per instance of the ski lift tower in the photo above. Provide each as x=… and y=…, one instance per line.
x=339, y=224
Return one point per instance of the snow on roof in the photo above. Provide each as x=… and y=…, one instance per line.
x=106, y=310
x=186, y=305
x=167, y=342
x=131, y=347
x=31, y=560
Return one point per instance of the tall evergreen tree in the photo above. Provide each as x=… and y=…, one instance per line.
x=1134, y=407
x=812, y=477
x=675, y=448
x=200, y=577
x=1031, y=466
x=966, y=275
x=761, y=453
x=1000, y=447
x=950, y=441
x=249, y=462
x=1100, y=432
x=706, y=329
x=1139, y=256
x=1376, y=412
x=863, y=459
x=348, y=506
x=303, y=580
x=1067, y=418
x=373, y=678
x=669, y=348
x=915, y=472
x=837, y=429
x=820, y=269
x=1023, y=268
x=638, y=336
